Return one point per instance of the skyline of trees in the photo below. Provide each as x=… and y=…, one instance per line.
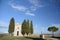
x=27, y=27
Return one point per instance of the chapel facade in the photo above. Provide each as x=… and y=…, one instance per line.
x=17, y=30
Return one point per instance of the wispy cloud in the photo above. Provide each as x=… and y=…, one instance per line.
x=31, y=14
x=32, y=7
x=18, y=7
x=35, y=4
x=22, y=8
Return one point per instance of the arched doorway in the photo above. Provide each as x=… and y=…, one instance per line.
x=17, y=33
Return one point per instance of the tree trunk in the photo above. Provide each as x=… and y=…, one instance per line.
x=52, y=34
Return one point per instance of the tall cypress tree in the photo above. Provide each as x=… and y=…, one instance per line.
x=31, y=27
x=27, y=27
x=23, y=31
x=11, y=26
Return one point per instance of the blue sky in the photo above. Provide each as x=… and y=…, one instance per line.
x=43, y=13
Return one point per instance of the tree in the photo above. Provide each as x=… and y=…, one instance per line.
x=27, y=27
x=31, y=27
x=23, y=31
x=52, y=29
x=11, y=26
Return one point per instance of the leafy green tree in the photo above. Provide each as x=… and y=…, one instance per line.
x=52, y=29
x=31, y=27
x=11, y=26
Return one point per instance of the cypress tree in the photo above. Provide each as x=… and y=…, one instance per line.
x=27, y=27
x=31, y=27
x=23, y=31
x=11, y=26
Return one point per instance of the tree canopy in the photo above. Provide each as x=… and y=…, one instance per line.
x=53, y=29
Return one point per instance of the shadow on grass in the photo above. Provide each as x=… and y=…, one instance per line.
x=35, y=38
x=56, y=37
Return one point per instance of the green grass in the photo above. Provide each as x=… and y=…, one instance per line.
x=13, y=38
x=7, y=37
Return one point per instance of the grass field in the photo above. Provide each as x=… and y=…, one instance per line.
x=7, y=37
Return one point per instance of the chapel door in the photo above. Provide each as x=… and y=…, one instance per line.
x=17, y=33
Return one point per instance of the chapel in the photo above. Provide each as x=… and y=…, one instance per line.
x=17, y=30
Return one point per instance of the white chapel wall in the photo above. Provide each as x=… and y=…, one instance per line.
x=17, y=28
